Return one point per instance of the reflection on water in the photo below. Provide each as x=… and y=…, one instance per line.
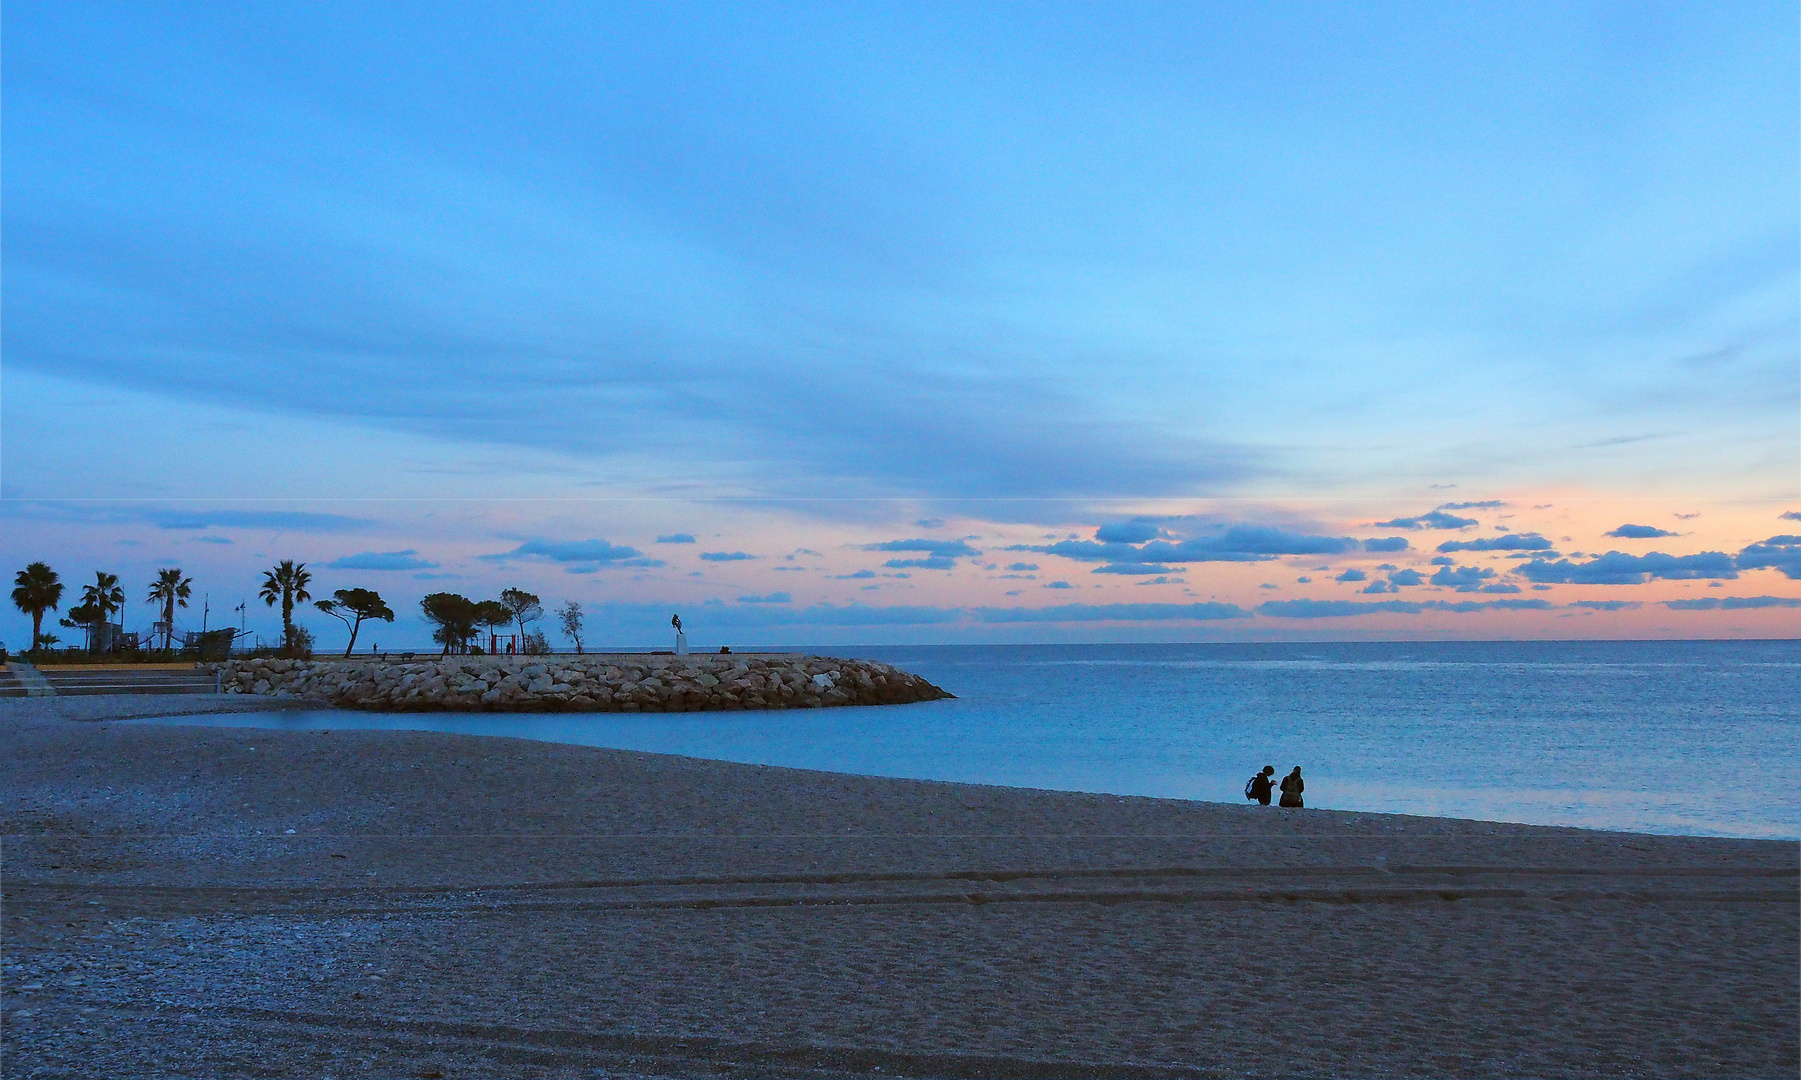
x=1671, y=737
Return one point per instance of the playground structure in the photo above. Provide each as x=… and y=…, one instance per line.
x=212, y=644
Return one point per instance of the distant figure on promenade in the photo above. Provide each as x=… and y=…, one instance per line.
x=1260, y=786
x=1292, y=786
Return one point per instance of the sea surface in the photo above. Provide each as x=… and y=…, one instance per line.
x=1700, y=738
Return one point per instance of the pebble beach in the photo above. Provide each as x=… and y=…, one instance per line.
x=186, y=901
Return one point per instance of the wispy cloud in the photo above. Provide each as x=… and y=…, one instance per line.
x=591, y=553
x=1207, y=612
x=1130, y=532
x=285, y=520
x=1436, y=519
x=1619, y=568
x=1511, y=542
x=382, y=560
x=754, y=616
x=1239, y=543
x=1339, y=609
x=952, y=548
x=1732, y=603
x=1618, y=440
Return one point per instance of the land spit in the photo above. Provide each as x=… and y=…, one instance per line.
x=600, y=683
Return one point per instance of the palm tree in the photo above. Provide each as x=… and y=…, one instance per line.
x=287, y=583
x=170, y=589
x=36, y=589
x=105, y=597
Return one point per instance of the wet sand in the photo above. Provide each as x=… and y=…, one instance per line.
x=236, y=902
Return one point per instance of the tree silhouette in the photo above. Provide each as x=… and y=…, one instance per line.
x=36, y=589
x=104, y=596
x=286, y=582
x=170, y=589
x=524, y=608
x=570, y=615
x=454, y=616
x=494, y=614
x=86, y=617
x=352, y=606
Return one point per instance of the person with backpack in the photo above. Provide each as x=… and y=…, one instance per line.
x=1258, y=787
x=1292, y=786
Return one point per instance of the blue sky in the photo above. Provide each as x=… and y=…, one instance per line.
x=472, y=281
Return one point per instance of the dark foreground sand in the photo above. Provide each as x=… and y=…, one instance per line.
x=237, y=903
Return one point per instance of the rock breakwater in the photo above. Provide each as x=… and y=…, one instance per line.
x=616, y=683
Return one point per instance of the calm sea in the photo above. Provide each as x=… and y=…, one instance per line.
x=1666, y=737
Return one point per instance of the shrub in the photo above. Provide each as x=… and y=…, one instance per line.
x=300, y=643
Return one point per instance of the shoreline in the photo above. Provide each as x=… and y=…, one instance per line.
x=482, y=904
x=126, y=708
x=238, y=704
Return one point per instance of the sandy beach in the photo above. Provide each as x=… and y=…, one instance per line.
x=207, y=902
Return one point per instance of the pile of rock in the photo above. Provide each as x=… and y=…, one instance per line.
x=616, y=683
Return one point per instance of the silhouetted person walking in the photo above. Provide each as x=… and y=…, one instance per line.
x=1260, y=786
x=1292, y=786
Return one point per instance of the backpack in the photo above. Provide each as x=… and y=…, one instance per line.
x=1249, y=785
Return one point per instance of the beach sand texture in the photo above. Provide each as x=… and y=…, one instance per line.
x=238, y=902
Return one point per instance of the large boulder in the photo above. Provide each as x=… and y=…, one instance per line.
x=580, y=683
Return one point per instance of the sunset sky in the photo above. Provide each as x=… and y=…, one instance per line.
x=912, y=323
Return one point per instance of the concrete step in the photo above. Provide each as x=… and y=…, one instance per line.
x=28, y=679
x=77, y=678
x=85, y=681
x=88, y=689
